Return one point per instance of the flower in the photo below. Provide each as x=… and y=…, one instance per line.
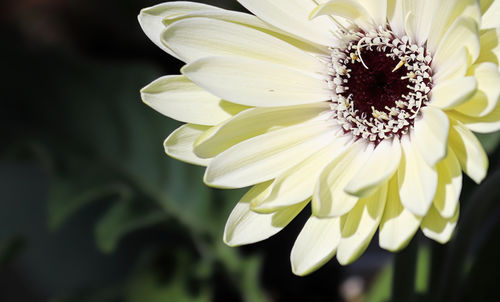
x=364, y=107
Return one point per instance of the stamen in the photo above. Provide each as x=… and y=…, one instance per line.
x=370, y=99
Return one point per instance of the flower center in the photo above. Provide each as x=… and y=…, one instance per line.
x=379, y=82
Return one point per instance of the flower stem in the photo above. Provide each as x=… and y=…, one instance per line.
x=403, y=281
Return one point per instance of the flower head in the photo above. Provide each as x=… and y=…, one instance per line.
x=362, y=108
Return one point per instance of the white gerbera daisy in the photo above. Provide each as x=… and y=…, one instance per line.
x=363, y=107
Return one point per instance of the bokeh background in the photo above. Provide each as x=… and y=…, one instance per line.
x=92, y=210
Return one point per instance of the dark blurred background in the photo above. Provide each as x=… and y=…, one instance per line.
x=91, y=209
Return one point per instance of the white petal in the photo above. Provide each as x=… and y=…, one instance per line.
x=377, y=10
x=464, y=32
x=449, y=185
x=431, y=134
x=266, y=156
x=349, y=9
x=452, y=69
x=417, y=180
x=330, y=199
x=487, y=95
x=417, y=14
x=179, y=144
x=454, y=92
x=254, y=122
x=398, y=225
x=151, y=18
x=379, y=167
x=486, y=124
x=360, y=226
x=315, y=245
x=439, y=228
x=196, y=38
x=256, y=83
x=244, y=226
x=297, y=183
x=469, y=151
x=395, y=16
x=293, y=16
x=448, y=12
x=179, y=98
x=490, y=17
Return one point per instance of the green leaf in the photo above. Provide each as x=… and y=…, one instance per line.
x=10, y=249
x=122, y=218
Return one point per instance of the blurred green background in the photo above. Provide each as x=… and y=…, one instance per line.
x=92, y=210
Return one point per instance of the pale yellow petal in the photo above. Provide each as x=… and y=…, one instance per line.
x=254, y=122
x=196, y=38
x=297, y=183
x=398, y=225
x=491, y=14
x=417, y=16
x=266, y=156
x=438, y=228
x=431, y=134
x=449, y=185
x=490, y=46
x=179, y=98
x=180, y=143
x=417, y=180
x=330, y=199
x=485, y=100
x=244, y=226
x=485, y=124
x=469, y=151
x=315, y=245
x=257, y=83
x=379, y=167
x=453, y=92
x=464, y=32
x=349, y=9
x=360, y=225
x=292, y=16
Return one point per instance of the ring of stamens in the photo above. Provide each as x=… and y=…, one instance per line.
x=379, y=83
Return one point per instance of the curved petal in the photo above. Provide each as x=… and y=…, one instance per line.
x=452, y=69
x=297, y=183
x=431, y=135
x=266, y=156
x=454, y=92
x=469, y=151
x=490, y=17
x=395, y=17
x=179, y=98
x=151, y=18
x=257, y=83
x=417, y=15
x=379, y=167
x=490, y=46
x=244, y=226
x=360, y=225
x=315, y=245
x=449, y=12
x=330, y=199
x=179, y=144
x=487, y=95
x=438, y=228
x=417, y=180
x=449, y=185
x=292, y=16
x=196, y=38
x=486, y=124
x=349, y=9
x=254, y=122
x=377, y=10
x=398, y=225
x=464, y=32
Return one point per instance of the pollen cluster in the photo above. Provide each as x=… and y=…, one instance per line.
x=379, y=83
